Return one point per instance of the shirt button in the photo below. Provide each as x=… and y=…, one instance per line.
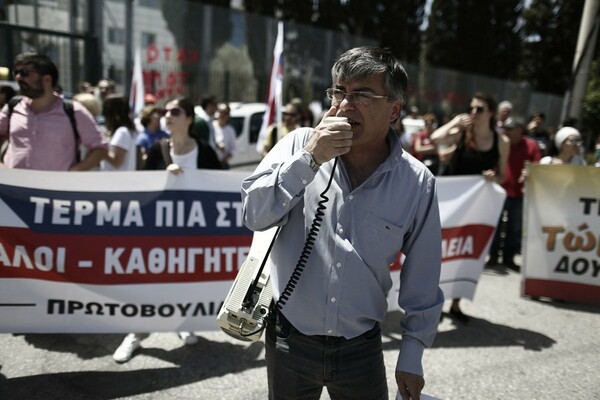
x=340, y=231
x=329, y=331
x=333, y=299
x=284, y=204
x=304, y=181
x=339, y=265
x=350, y=197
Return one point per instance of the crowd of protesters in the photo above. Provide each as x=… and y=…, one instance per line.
x=40, y=129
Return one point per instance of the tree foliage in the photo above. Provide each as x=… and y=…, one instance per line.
x=591, y=101
x=475, y=36
x=394, y=24
x=532, y=41
x=549, y=34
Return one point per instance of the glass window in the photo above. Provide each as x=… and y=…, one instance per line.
x=116, y=36
x=148, y=39
x=150, y=3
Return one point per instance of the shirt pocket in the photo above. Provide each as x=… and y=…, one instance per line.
x=378, y=241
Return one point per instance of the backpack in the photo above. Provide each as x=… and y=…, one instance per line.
x=67, y=106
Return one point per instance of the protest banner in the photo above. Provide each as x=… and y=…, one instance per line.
x=470, y=208
x=86, y=252
x=153, y=251
x=561, y=246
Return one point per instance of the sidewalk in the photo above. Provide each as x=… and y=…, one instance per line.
x=513, y=348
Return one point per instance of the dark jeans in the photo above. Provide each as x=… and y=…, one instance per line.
x=299, y=366
x=512, y=228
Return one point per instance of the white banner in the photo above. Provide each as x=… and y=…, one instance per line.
x=561, y=237
x=152, y=251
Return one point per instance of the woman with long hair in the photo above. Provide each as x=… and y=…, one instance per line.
x=183, y=150
x=476, y=149
x=122, y=150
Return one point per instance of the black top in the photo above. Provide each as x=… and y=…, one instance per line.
x=207, y=158
x=468, y=161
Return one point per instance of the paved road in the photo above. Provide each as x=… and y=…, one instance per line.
x=514, y=348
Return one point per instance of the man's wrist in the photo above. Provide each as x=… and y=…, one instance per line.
x=310, y=159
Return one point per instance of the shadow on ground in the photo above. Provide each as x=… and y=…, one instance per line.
x=194, y=363
x=476, y=333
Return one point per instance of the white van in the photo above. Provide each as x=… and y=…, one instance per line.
x=246, y=119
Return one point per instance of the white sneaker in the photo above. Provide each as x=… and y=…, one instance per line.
x=129, y=345
x=189, y=338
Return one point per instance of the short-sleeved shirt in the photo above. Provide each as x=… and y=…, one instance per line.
x=124, y=139
x=45, y=140
x=146, y=138
x=526, y=150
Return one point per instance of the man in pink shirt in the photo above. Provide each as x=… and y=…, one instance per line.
x=39, y=131
x=522, y=151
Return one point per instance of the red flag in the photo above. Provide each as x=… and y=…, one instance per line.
x=273, y=112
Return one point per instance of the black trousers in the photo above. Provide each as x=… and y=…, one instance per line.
x=299, y=366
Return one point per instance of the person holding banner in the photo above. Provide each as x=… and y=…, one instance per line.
x=374, y=202
x=45, y=130
x=523, y=150
x=183, y=151
x=477, y=149
x=566, y=148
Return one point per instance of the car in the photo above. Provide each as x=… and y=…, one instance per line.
x=246, y=119
x=12, y=84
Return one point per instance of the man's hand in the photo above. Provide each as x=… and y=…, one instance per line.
x=331, y=138
x=409, y=385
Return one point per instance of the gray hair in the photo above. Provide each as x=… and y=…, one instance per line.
x=364, y=62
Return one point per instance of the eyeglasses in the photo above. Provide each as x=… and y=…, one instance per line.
x=478, y=109
x=24, y=72
x=175, y=111
x=288, y=114
x=574, y=142
x=363, y=98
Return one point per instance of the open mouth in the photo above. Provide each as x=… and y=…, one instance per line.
x=353, y=122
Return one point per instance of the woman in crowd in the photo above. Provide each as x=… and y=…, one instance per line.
x=477, y=149
x=566, y=148
x=183, y=150
x=152, y=133
x=122, y=151
x=423, y=147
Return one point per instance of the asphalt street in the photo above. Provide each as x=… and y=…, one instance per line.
x=513, y=348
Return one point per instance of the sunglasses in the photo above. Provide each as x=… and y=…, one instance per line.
x=478, y=109
x=175, y=111
x=24, y=72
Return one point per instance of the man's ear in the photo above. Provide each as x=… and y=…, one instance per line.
x=47, y=82
x=396, y=109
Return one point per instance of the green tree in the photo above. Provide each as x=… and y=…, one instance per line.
x=394, y=24
x=549, y=36
x=475, y=36
x=591, y=104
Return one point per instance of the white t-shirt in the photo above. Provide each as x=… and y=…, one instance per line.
x=125, y=139
x=186, y=161
x=226, y=135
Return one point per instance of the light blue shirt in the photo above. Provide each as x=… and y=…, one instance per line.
x=343, y=288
